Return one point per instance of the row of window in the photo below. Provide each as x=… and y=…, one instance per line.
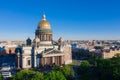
x=45, y=37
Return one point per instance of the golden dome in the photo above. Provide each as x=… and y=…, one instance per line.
x=44, y=24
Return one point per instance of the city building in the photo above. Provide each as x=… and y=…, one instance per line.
x=43, y=50
x=8, y=47
x=7, y=70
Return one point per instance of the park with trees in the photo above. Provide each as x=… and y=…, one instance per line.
x=100, y=69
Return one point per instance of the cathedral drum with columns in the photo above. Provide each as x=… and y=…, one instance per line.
x=43, y=50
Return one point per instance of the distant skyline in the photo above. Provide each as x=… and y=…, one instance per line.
x=70, y=19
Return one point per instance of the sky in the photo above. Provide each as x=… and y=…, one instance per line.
x=70, y=19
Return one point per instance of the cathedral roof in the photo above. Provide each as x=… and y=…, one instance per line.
x=44, y=24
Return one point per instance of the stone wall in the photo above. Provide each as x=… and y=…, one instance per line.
x=68, y=54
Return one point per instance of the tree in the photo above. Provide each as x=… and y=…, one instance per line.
x=116, y=67
x=93, y=58
x=116, y=60
x=57, y=68
x=38, y=76
x=104, y=69
x=0, y=76
x=84, y=67
x=66, y=70
x=116, y=73
x=35, y=75
x=24, y=75
x=85, y=71
x=55, y=75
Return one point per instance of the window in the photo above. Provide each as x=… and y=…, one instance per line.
x=28, y=62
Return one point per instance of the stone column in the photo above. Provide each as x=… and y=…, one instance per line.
x=35, y=61
x=47, y=37
x=44, y=37
x=18, y=62
x=50, y=37
x=40, y=37
x=62, y=58
x=23, y=62
x=60, y=61
x=53, y=59
x=44, y=60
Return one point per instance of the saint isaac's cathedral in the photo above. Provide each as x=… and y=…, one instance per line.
x=43, y=50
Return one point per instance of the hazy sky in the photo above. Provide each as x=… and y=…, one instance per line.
x=71, y=19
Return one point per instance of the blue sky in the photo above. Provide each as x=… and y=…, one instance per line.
x=71, y=19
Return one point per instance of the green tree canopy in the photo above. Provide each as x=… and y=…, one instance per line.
x=0, y=76
x=84, y=67
x=55, y=75
x=105, y=69
x=38, y=76
x=66, y=70
x=24, y=75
